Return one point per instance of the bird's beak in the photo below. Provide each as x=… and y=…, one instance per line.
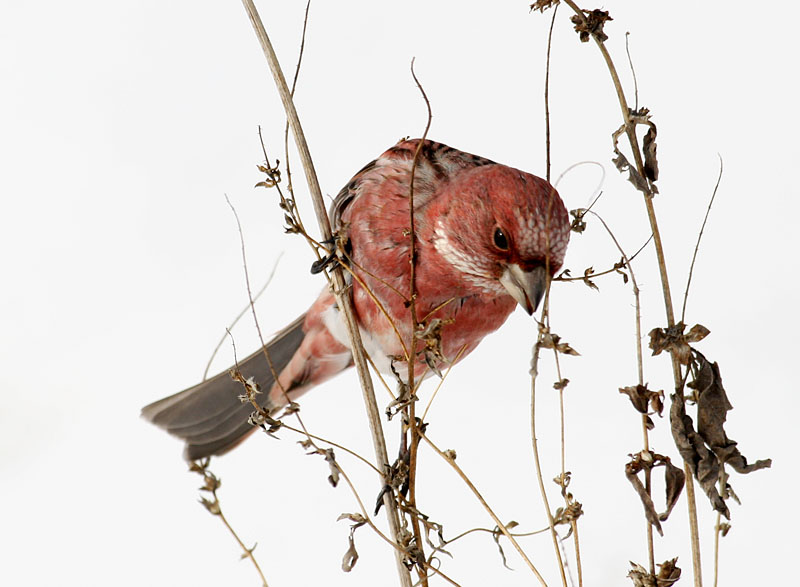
x=527, y=287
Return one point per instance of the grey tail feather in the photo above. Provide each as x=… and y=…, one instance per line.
x=209, y=416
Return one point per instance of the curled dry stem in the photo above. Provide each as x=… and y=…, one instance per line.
x=412, y=308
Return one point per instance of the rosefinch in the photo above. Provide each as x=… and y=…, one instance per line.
x=487, y=237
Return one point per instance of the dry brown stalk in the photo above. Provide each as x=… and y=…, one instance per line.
x=339, y=290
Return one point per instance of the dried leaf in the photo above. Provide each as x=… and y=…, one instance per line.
x=350, y=557
x=333, y=478
x=553, y=341
x=697, y=333
x=640, y=577
x=649, y=148
x=578, y=224
x=674, y=478
x=586, y=273
x=497, y=534
x=641, y=397
x=591, y=24
x=631, y=470
x=646, y=186
x=668, y=573
x=561, y=384
x=712, y=408
x=619, y=266
x=674, y=341
x=212, y=505
x=542, y=5
x=702, y=462
x=358, y=519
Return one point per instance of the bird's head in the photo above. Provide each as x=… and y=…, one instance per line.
x=503, y=230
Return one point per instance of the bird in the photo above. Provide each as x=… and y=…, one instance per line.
x=487, y=237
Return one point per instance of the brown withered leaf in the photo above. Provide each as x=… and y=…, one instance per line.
x=591, y=24
x=668, y=573
x=649, y=148
x=697, y=333
x=712, y=408
x=640, y=577
x=702, y=462
x=578, y=223
x=551, y=340
x=586, y=273
x=641, y=397
x=673, y=340
x=674, y=479
x=641, y=183
x=561, y=384
x=496, y=534
x=357, y=519
x=333, y=478
x=542, y=5
x=631, y=470
x=350, y=557
x=708, y=449
x=619, y=266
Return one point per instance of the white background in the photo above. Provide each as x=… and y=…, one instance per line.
x=122, y=126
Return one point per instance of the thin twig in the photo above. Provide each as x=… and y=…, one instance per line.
x=214, y=507
x=547, y=93
x=239, y=316
x=640, y=370
x=339, y=289
x=289, y=186
x=633, y=73
x=535, y=443
x=699, y=237
x=485, y=505
x=412, y=309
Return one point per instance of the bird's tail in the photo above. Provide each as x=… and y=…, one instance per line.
x=209, y=416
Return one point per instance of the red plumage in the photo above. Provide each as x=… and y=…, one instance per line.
x=487, y=237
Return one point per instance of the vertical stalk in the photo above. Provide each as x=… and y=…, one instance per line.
x=343, y=300
x=630, y=130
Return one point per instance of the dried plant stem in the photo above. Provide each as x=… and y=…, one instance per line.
x=537, y=463
x=412, y=309
x=630, y=130
x=699, y=238
x=562, y=419
x=239, y=317
x=547, y=93
x=640, y=371
x=246, y=552
x=342, y=298
x=485, y=505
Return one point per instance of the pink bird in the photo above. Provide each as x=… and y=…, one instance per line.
x=488, y=237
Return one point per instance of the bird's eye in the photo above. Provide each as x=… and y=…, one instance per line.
x=500, y=240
